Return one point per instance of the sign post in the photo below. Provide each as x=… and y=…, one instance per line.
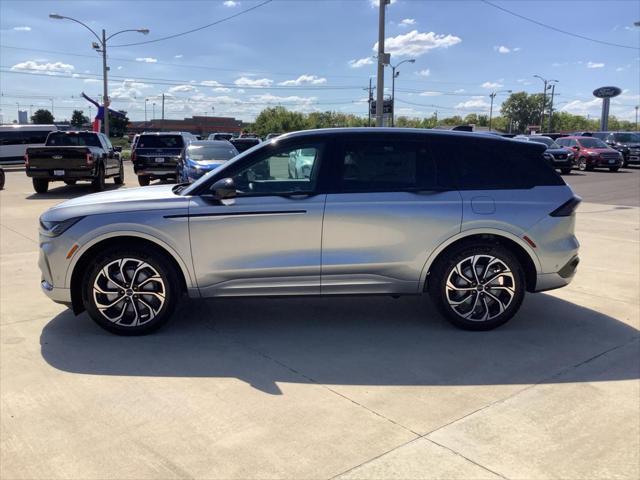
x=606, y=94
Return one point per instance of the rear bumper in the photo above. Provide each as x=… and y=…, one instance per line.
x=559, y=279
x=156, y=173
x=76, y=174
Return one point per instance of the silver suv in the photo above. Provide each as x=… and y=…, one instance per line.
x=473, y=221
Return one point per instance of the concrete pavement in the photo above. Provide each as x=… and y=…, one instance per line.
x=325, y=388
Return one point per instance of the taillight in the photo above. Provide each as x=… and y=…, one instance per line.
x=26, y=160
x=89, y=159
x=567, y=208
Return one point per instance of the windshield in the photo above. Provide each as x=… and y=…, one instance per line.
x=546, y=140
x=72, y=139
x=207, y=152
x=160, y=141
x=592, y=143
x=627, y=137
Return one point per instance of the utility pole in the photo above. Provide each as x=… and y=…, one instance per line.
x=154, y=111
x=394, y=74
x=381, y=64
x=492, y=95
x=636, y=118
x=553, y=92
x=145, y=109
x=163, y=111
x=371, y=100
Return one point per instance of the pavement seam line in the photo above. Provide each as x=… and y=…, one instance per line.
x=533, y=385
x=466, y=458
x=18, y=233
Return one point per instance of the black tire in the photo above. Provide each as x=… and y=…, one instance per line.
x=98, y=182
x=565, y=171
x=69, y=182
x=143, y=180
x=582, y=164
x=512, y=276
x=2, y=178
x=119, y=179
x=614, y=169
x=132, y=306
x=40, y=185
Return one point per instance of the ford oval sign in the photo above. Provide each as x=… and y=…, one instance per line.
x=607, y=92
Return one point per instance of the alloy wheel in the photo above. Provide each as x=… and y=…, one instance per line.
x=480, y=287
x=129, y=292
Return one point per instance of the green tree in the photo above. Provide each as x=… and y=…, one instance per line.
x=522, y=110
x=42, y=116
x=78, y=119
x=278, y=119
x=118, y=125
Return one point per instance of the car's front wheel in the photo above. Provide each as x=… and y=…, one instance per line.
x=582, y=164
x=565, y=171
x=131, y=292
x=614, y=169
x=478, y=287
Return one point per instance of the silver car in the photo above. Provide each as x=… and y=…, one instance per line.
x=473, y=221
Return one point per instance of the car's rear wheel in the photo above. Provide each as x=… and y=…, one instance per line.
x=40, y=185
x=69, y=182
x=614, y=169
x=119, y=179
x=130, y=292
x=478, y=287
x=1, y=179
x=565, y=171
x=143, y=180
x=98, y=182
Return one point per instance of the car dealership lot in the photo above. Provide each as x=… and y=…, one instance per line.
x=367, y=387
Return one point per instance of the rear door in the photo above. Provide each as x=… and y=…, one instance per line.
x=391, y=205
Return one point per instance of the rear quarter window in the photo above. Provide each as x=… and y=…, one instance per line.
x=477, y=164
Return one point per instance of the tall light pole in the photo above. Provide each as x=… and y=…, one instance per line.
x=544, y=98
x=153, y=105
x=636, y=118
x=101, y=47
x=383, y=59
x=492, y=95
x=145, y=109
x=394, y=74
x=553, y=92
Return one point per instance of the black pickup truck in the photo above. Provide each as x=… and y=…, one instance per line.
x=157, y=155
x=72, y=156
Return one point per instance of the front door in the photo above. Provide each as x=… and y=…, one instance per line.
x=266, y=240
x=390, y=207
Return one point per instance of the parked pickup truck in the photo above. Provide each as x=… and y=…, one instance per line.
x=73, y=156
x=157, y=155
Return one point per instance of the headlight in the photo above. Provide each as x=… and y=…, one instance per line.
x=593, y=154
x=570, y=155
x=53, y=229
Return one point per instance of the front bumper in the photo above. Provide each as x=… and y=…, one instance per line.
x=58, y=295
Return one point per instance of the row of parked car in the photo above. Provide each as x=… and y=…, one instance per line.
x=72, y=156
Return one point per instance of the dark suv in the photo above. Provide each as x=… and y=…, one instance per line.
x=627, y=143
x=157, y=155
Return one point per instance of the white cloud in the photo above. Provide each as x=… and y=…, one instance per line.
x=131, y=83
x=416, y=43
x=119, y=67
x=579, y=107
x=92, y=80
x=231, y=3
x=407, y=22
x=594, y=65
x=502, y=49
x=178, y=56
x=517, y=49
x=146, y=59
x=460, y=90
x=22, y=29
x=50, y=68
x=75, y=75
x=269, y=98
x=225, y=89
x=183, y=89
x=376, y=3
x=424, y=73
x=430, y=94
x=305, y=80
x=210, y=83
x=476, y=103
x=361, y=62
x=250, y=82
x=491, y=85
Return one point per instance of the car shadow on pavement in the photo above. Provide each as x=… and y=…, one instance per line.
x=347, y=341
x=66, y=192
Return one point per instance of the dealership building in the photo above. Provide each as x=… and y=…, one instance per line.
x=196, y=125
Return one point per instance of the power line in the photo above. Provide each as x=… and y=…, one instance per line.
x=544, y=25
x=217, y=22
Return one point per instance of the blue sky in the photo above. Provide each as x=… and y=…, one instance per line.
x=315, y=55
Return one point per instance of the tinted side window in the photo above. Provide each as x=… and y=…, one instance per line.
x=494, y=165
x=386, y=165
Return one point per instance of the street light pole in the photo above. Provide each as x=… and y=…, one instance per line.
x=636, y=118
x=492, y=95
x=145, y=109
x=382, y=61
x=544, y=98
x=553, y=92
x=101, y=47
x=394, y=74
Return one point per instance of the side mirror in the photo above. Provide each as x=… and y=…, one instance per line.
x=117, y=149
x=223, y=188
x=575, y=147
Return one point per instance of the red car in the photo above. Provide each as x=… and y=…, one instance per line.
x=591, y=152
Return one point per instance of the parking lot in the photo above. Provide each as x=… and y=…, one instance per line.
x=370, y=387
